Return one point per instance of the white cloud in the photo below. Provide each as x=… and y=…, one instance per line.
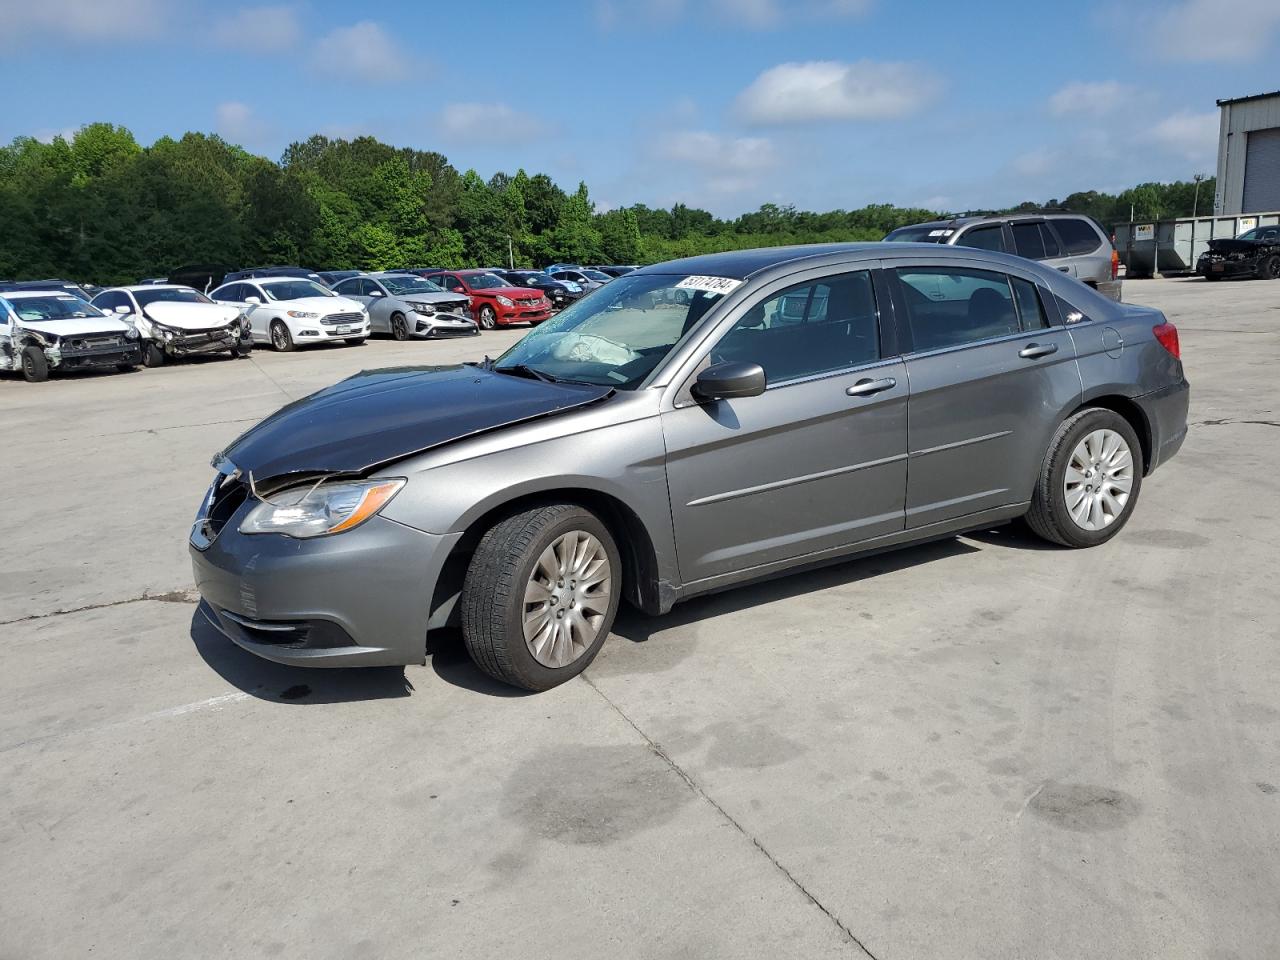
x=260, y=29
x=489, y=123
x=48, y=136
x=832, y=90
x=363, y=51
x=234, y=121
x=1193, y=136
x=725, y=164
x=752, y=14
x=83, y=19
x=1210, y=30
x=1089, y=98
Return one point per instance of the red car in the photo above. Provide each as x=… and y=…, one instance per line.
x=494, y=302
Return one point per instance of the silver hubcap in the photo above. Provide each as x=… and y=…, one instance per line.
x=566, y=599
x=1099, y=479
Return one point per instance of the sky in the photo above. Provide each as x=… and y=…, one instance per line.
x=720, y=104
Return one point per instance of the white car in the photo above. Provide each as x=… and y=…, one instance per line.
x=43, y=330
x=177, y=321
x=289, y=312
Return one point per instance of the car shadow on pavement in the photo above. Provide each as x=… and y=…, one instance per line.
x=639, y=628
x=279, y=683
x=1015, y=536
x=452, y=664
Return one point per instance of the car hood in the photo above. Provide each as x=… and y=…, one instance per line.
x=321, y=305
x=380, y=416
x=443, y=296
x=510, y=292
x=1231, y=245
x=191, y=316
x=76, y=326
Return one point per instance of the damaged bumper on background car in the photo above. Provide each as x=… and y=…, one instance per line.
x=90, y=351
x=181, y=343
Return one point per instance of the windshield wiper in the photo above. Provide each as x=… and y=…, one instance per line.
x=524, y=370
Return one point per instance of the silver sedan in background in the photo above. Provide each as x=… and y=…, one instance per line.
x=405, y=305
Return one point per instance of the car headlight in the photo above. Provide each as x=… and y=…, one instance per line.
x=506, y=301
x=131, y=333
x=318, y=510
x=302, y=315
x=168, y=334
x=422, y=308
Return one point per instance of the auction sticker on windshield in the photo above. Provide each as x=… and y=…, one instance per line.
x=709, y=284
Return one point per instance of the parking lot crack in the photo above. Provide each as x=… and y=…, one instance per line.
x=172, y=596
x=1227, y=422
x=693, y=785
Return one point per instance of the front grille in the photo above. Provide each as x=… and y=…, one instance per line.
x=528, y=301
x=225, y=497
x=334, y=318
x=100, y=342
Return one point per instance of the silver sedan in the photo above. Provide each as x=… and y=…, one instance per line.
x=405, y=306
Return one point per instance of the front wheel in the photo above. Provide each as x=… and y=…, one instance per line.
x=488, y=319
x=354, y=342
x=152, y=355
x=242, y=349
x=540, y=595
x=281, y=338
x=399, y=327
x=1269, y=269
x=35, y=366
x=1090, y=480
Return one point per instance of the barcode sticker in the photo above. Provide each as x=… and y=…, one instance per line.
x=709, y=284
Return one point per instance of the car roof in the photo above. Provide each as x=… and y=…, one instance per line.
x=146, y=287
x=19, y=294
x=742, y=264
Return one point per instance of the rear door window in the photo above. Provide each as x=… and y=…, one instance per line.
x=983, y=238
x=1028, y=241
x=951, y=306
x=1078, y=236
x=1030, y=310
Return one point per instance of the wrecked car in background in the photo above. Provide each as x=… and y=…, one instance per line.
x=175, y=321
x=1255, y=253
x=43, y=330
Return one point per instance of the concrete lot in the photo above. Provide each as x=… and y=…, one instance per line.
x=981, y=748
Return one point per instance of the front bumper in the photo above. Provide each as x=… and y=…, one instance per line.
x=126, y=353
x=438, y=326
x=211, y=341
x=508, y=315
x=360, y=598
x=1166, y=413
x=316, y=333
x=1226, y=267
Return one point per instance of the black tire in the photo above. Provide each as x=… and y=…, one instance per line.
x=35, y=365
x=152, y=355
x=356, y=342
x=1049, y=517
x=399, y=327
x=281, y=338
x=242, y=349
x=126, y=367
x=488, y=319
x=1269, y=268
x=1213, y=277
x=493, y=593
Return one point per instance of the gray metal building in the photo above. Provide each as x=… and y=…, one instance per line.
x=1248, y=155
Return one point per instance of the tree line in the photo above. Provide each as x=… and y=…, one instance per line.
x=100, y=207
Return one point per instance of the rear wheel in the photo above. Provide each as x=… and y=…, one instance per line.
x=488, y=319
x=399, y=327
x=540, y=595
x=1090, y=480
x=281, y=338
x=152, y=354
x=35, y=366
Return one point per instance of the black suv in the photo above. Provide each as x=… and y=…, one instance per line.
x=558, y=293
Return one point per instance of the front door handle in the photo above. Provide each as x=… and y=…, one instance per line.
x=866, y=387
x=1065, y=269
x=1033, y=350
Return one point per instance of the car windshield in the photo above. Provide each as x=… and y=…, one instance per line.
x=1260, y=233
x=925, y=233
x=596, y=275
x=294, y=290
x=170, y=295
x=485, y=281
x=617, y=336
x=410, y=284
x=55, y=306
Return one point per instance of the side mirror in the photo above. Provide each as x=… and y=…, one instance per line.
x=256, y=301
x=121, y=308
x=375, y=293
x=730, y=380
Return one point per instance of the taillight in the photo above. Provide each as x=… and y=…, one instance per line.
x=1115, y=263
x=1167, y=334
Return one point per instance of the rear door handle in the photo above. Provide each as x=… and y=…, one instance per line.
x=866, y=387
x=1033, y=350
